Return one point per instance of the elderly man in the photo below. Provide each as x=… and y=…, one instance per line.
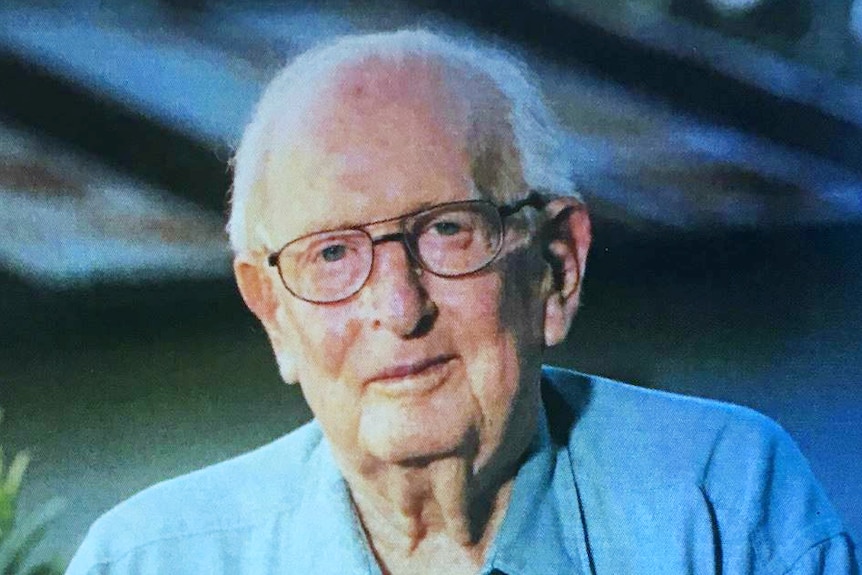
x=406, y=231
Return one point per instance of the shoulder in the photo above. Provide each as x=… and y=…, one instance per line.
x=238, y=494
x=642, y=429
x=693, y=466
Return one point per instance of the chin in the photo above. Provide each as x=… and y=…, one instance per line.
x=444, y=422
x=412, y=441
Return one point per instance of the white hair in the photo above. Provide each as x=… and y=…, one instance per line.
x=539, y=139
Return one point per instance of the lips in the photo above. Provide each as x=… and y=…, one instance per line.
x=412, y=377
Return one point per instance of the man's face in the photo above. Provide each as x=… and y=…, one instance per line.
x=413, y=366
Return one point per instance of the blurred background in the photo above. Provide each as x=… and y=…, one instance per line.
x=719, y=143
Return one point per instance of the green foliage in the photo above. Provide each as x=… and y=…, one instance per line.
x=20, y=535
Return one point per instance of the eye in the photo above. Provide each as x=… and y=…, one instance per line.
x=445, y=228
x=333, y=253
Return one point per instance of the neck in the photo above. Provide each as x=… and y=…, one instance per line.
x=439, y=510
x=442, y=512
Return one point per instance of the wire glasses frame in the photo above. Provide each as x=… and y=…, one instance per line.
x=451, y=240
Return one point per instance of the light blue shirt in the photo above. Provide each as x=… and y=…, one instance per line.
x=618, y=480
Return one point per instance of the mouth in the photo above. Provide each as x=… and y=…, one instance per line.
x=412, y=378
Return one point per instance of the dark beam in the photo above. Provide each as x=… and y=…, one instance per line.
x=161, y=155
x=690, y=84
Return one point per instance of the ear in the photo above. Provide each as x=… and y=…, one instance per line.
x=258, y=292
x=566, y=243
x=256, y=289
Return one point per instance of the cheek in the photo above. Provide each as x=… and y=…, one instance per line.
x=470, y=312
x=321, y=338
x=494, y=307
x=522, y=305
x=496, y=326
x=493, y=324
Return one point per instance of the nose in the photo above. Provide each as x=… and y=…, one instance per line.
x=399, y=301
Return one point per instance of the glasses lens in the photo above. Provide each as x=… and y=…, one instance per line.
x=326, y=267
x=457, y=239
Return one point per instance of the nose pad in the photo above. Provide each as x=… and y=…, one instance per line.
x=400, y=301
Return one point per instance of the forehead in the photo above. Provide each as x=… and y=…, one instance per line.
x=383, y=139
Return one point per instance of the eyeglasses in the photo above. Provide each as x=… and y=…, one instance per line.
x=448, y=240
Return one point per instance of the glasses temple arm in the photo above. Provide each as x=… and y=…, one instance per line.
x=535, y=200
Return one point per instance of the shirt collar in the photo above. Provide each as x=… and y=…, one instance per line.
x=542, y=531
x=334, y=540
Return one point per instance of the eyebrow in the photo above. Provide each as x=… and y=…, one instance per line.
x=324, y=228
x=478, y=194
